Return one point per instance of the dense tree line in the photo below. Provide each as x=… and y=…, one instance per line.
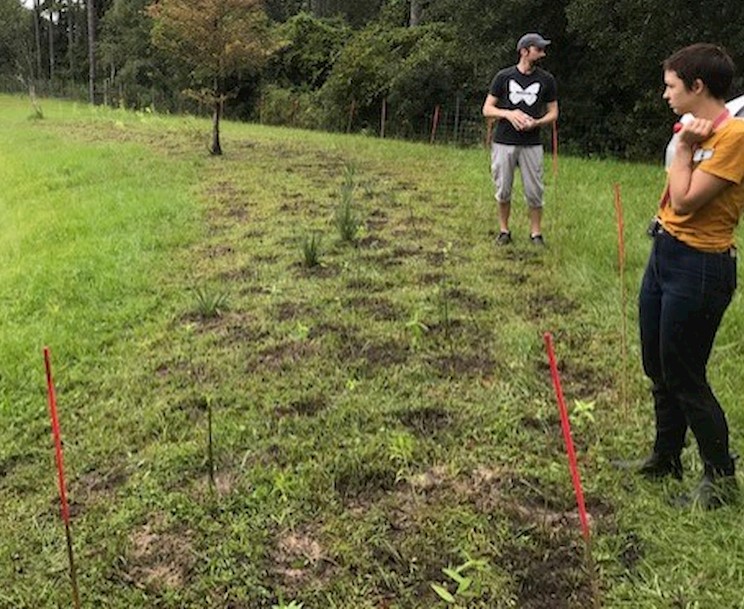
x=349, y=64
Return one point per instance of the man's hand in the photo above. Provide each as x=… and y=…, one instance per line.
x=521, y=121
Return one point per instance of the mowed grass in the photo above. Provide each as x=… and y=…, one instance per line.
x=377, y=418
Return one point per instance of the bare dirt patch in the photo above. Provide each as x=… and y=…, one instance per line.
x=289, y=310
x=578, y=380
x=299, y=560
x=93, y=486
x=369, y=355
x=364, y=482
x=376, y=307
x=425, y=421
x=549, y=571
x=542, y=305
x=159, y=560
x=306, y=406
x=285, y=355
x=458, y=364
x=368, y=284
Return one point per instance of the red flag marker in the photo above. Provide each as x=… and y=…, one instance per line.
x=566, y=426
x=61, y=473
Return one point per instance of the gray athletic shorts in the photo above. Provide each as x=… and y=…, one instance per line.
x=504, y=161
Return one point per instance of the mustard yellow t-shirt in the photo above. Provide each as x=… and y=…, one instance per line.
x=711, y=227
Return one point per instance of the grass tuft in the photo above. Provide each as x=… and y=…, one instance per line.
x=210, y=302
x=311, y=250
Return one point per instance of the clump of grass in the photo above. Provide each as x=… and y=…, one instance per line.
x=347, y=220
x=311, y=250
x=210, y=303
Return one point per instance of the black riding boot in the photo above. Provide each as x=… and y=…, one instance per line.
x=655, y=467
x=717, y=487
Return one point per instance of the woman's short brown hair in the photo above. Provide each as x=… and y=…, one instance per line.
x=707, y=62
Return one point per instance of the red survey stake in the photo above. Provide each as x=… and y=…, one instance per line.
x=566, y=426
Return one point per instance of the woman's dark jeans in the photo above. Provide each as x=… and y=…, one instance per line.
x=684, y=295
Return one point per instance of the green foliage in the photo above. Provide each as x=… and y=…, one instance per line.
x=582, y=414
x=362, y=75
x=464, y=584
x=210, y=302
x=347, y=218
x=311, y=250
x=290, y=605
x=215, y=40
x=15, y=47
x=402, y=446
x=413, y=69
x=37, y=113
x=309, y=49
x=431, y=73
x=289, y=107
x=417, y=329
x=141, y=74
x=621, y=94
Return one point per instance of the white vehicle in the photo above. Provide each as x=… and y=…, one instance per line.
x=735, y=106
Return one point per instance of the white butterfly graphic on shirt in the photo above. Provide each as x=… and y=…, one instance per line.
x=527, y=95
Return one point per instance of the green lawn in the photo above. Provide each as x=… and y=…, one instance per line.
x=383, y=422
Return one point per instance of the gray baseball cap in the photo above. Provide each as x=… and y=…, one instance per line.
x=532, y=40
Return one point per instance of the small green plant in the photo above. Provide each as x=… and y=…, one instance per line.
x=401, y=449
x=417, y=328
x=350, y=180
x=311, y=250
x=464, y=590
x=300, y=331
x=347, y=220
x=582, y=414
x=210, y=303
x=37, y=114
x=291, y=605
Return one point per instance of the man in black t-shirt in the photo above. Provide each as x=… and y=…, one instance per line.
x=522, y=98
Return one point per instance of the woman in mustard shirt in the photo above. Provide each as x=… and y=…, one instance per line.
x=691, y=272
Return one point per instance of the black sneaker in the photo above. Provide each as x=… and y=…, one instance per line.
x=504, y=238
x=537, y=240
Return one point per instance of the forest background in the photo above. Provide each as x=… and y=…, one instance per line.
x=385, y=67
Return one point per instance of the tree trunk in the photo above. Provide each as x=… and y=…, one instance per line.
x=37, y=38
x=51, y=45
x=71, y=38
x=416, y=10
x=92, y=51
x=216, y=149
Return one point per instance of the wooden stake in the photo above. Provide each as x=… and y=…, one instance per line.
x=383, y=117
x=623, y=294
x=352, y=109
x=434, y=124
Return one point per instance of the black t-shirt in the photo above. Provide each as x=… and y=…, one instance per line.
x=529, y=93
